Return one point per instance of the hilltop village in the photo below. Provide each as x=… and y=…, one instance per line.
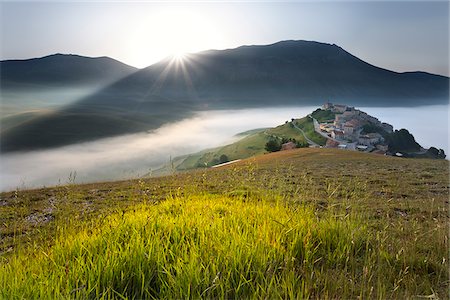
x=352, y=129
x=344, y=127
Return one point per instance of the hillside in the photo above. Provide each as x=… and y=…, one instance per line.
x=302, y=132
x=284, y=73
x=35, y=88
x=306, y=223
x=249, y=145
x=60, y=70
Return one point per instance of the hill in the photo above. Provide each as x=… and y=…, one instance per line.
x=306, y=223
x=31, y=88
x=284, y=73
x=251, y=144
x=302, y=133
x=59, y=70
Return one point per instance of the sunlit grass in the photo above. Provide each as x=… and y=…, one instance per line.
x=281, y=226
x=199, y=246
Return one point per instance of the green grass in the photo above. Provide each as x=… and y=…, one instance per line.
x=197, y=246
x=308, y=127
x=252, y=144
x=309, y=223
x=323, y=115
x=248, y=146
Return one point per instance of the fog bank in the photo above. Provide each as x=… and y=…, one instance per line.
x=134, y=155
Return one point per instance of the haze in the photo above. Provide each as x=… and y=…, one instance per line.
x=135, y=155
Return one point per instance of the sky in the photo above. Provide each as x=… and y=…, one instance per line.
x=400, y=36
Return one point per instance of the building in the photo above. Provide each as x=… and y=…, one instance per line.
x=339, y=108
x=339, y=119
x=349, y=128
x=288, y=146
x=331, y=144
x=382, y=147
x=337, y=134
x=327, y=106
x=326, y=127
x=349, y=112
x=370, y=139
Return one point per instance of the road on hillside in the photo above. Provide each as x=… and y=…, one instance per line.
x=310, y=142
x=350, y=146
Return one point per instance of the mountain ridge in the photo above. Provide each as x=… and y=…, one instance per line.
x=284, y=73
x=61, y=69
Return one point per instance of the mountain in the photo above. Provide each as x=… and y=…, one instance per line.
x=31, y=88
x=61, y=70
x=284, y=73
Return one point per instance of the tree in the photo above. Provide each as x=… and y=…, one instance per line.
x=273, y=145
x=435, y=153
x=402, y=141
x=213, y=162
x=223, y=159
x=302, y=144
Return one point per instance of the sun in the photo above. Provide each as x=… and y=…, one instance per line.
x=174, y=33
x=179, y=55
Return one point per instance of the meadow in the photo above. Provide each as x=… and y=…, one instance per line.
x=306, y=223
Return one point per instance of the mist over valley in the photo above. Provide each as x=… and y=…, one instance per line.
x=287, y=73
x=135, y=155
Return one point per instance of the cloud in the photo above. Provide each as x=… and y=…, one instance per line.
x=133, y=155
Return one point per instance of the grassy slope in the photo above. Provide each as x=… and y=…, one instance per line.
x=302, y=223
x=253, y=144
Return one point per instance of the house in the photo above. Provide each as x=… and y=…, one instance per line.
x=339, y=108
x=339, y=119
x=349, y=128
x=370, y=139
x=327, y=105
x=288, y=146
x=331, y=144
x=326, y=127
x=355, y=122
x=337, y=134
x=349, y=112
x=382, y=147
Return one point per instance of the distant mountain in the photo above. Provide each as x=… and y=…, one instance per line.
x=61, y=70
x=284, y=73
x=32, y=86
x=297, y=72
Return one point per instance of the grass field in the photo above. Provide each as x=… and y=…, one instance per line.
x=306, y=223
